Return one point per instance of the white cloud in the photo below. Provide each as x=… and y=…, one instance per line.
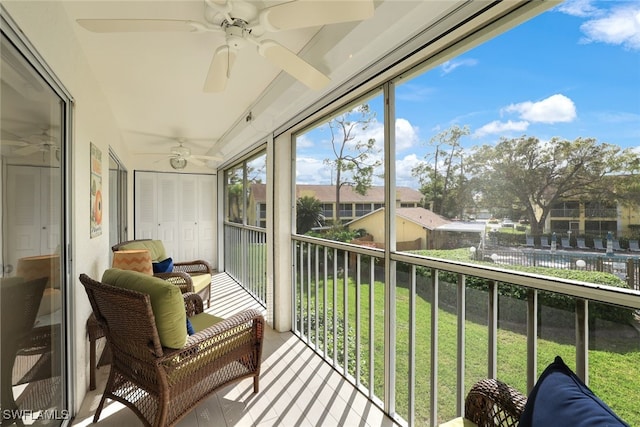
x=554, y=109
x=303, y=141
x=403, y=171
x=375, y=130
x=620, y=26
x=449, y=66
x=497, y=126
x=310, y=170
x=580, y=8
x=406, y=135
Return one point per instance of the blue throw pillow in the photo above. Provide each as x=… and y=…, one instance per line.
x=165, y=266
x=560, y=398
x=190, y=330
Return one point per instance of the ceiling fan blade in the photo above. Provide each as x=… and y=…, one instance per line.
x=15, y=143
x=312, y=13
x=220, y=69
x=195, y=161
x=203, y=157
x=25, y=151
x=293, y=64
x=137, y=25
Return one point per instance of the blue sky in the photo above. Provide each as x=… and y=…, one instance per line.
x=573, y=71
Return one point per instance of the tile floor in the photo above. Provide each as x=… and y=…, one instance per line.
x=297, y=388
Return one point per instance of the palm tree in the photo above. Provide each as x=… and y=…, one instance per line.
x=308, y=214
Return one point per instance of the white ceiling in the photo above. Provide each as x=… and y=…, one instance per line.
x=154, y=81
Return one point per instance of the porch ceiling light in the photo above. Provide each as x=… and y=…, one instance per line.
x=178, y=162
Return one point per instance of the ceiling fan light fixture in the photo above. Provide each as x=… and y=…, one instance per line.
x=181, y=151
x=178, y=163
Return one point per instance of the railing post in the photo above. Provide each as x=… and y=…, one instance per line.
x=434, y=348
x=345, y=311
x=371, y=325
x=334, y=306
x=412, y=347
x=460, y=392
x=358, y=329
x=532, y=338
x=582, y=339
x=493, y=330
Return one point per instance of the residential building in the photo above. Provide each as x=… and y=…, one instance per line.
x=594, y=218
x=352, y=204
x=415, y=227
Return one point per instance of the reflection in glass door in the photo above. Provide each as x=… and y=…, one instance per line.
x=33, y=124
x=117, y=200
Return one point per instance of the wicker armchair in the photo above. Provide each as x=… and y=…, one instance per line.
x=19, y=302
x=162, y=385
x=95, y=332
x=196, y=269
x=492, y=403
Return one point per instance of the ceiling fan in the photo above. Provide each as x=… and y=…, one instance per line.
x=42, y=142
x=179, y=156
x=244, y=24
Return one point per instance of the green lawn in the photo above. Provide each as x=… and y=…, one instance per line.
x=614, y=375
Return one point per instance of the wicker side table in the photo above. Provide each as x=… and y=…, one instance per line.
x=95, y=332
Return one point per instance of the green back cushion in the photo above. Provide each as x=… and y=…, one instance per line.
x=166, y=302
x=155, y=248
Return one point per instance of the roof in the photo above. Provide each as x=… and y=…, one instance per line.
x=421, y=216
x=471, y=227
x=327, y=194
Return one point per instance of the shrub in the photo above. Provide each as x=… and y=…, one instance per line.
x=551, y=299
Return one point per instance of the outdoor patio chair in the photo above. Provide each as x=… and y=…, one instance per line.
x=544, y=242
x=581, y=244
x=179, y=279
x=491, y=402
x=19, y=303
x=634, y=246
x=559, y=397
x=158, y=370
x=566, y=243
x=597, y=244
x=200, y=271
x=530, y=243
x=616, y=245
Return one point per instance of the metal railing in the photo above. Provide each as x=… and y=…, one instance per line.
x=564, y=213
x=601, y=212
x=624, y=265
x=383, y=323
x=245, y=252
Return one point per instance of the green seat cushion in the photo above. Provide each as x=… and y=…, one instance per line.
x=166, y=302
x=202, y=321
x=155, y=248
x=459, y=422
x=200, y=281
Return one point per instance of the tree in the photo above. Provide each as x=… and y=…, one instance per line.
x=308, y=214
x=533, y=175
x=441, y=174
x=354, y=161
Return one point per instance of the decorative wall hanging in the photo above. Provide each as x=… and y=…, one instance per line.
x=96, y=191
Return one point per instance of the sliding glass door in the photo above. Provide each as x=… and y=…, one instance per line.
x=34, y=125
